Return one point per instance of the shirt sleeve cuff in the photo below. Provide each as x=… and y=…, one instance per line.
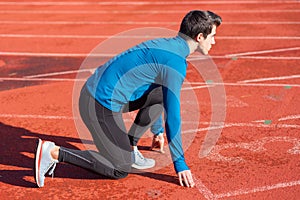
x=180, y=166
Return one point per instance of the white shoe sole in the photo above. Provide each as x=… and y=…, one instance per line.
x=142, y=167
x=37, y=162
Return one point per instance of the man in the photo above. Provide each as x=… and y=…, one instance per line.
x=147, y=78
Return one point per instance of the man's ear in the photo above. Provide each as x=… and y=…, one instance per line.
x=200, y=37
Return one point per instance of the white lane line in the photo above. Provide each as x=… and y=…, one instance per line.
x=267, y=57
x=256, y=84
x=110, y=55
x=36, y=116
x=59, y=73
x=258, y=37
x=40, y=79
x=125, y=3
x=54, y=54
x=251, y=57
x=264, y=51
x=262, y=22
x=143, y=36
x=135, y=11
x=212, y=126
x=204, y=85
x=270, y=79
x=196, y=87
x=64, y=36
x=287, y=118
x=82, y=36
x=230, y=125
x=258, y=189
x=290, y=117
x=37, y=22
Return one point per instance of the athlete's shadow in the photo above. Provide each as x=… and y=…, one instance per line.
x=17, y=151
x=160, y=177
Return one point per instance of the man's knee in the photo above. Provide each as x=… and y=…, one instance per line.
x=118, y=174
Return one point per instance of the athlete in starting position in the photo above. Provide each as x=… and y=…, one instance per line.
x=147, y=78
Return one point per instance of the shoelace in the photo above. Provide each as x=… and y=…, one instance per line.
x=52, y=166
x=140, y=155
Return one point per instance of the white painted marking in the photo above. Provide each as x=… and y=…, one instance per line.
x=40, y=79
x=110, y=55
x=212, y=125
x=270, y=79
x=79, y=36
x=203, y=189
x=135, y=11
x=291, y=117
x=254, y=57
x=55, y=36
x=256, y=11
x=54, y=54
x=88, y=22
x=259, y=121
x=244, y=84
x=257, y=37
x=59, y=73
x=196, y=87
x=269, y=57
x=229, y=125
x=255, y=146
x=145, y=37
x=125, y=3
x=263, y=52
x=36, y=116
x=235, y=102
x=262, y=22
x=37, y=22
x=240, y=84
x=184, y=89
x=258, y=189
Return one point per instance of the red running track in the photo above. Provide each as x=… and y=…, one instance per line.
x=257, y=55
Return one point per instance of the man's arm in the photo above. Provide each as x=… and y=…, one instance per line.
x=171, y=94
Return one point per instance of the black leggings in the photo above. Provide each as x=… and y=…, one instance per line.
x=107, y=128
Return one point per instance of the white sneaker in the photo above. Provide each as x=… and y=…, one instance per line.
x=43, y=161
x=140, y=162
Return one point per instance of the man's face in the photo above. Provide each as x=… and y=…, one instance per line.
x=204, y=45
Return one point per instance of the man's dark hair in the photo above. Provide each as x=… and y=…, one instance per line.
x=198, y=21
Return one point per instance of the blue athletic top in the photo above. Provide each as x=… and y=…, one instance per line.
x=138, y=70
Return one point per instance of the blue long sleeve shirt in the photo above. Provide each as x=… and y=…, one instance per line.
x=133, y=73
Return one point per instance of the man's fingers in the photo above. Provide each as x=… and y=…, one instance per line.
x=191, y=180
x=186, y=180
x=180, y=179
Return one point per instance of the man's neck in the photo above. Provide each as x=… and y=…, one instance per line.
x=192, y=44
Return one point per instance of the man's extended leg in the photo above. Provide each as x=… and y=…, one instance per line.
x=114, y=158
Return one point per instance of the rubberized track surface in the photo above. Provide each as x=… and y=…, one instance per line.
x=257, y=54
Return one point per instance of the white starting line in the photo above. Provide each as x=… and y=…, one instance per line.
x=209, y=195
